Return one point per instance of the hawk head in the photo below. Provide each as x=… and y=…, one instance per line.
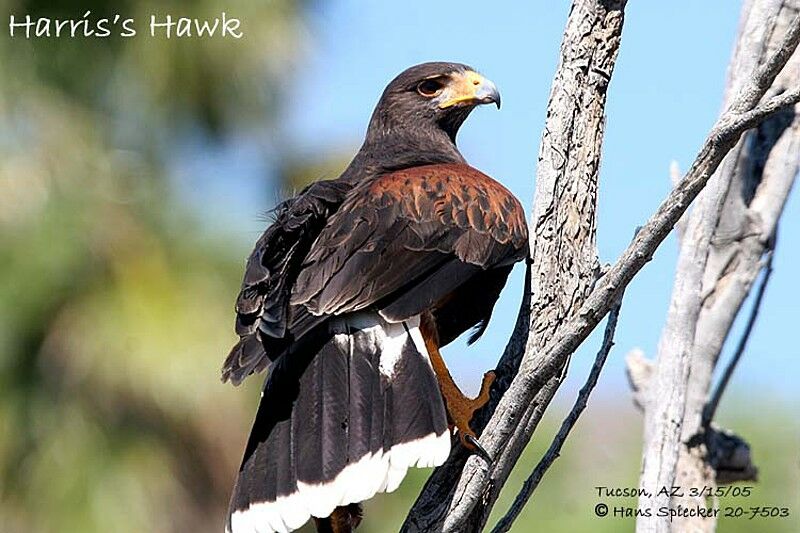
x=418, y=116
x=432, y=96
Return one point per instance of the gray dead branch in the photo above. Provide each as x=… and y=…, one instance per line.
x=727, y=235
x=562, y=287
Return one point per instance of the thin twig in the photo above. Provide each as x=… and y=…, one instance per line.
x=755, y=116
x=711, y=407
x=752, y=93
x=554, y=451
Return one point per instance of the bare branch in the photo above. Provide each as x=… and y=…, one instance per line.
x=755, y=116
x=720, y=140
x=563, y=266
x=725, y=238
x=554, y=451
x=464, y=507
x=754, y=88
x=713, y=403
x=531, y=378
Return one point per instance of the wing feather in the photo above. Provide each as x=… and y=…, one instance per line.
x=262, y=307
x=392, y=234
x=401, y=243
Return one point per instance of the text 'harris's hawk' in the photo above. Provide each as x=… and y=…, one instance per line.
x=347, y=298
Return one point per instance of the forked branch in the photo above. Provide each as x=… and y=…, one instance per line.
x=514, y=412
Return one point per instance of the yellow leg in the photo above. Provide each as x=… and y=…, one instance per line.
x=460, y=408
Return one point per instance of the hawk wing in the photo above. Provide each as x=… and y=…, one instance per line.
x=401, y=243
x=263, y=301
x=405, y=241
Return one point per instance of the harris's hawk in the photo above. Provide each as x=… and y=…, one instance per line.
x=348, y=296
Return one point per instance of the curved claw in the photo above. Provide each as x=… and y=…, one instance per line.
x=476, y=448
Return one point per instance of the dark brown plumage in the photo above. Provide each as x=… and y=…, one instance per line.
x=406, y=241
x=409, y=233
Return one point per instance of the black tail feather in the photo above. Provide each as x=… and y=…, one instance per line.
x=339, y=420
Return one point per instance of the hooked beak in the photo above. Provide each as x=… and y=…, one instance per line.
x=469, y=88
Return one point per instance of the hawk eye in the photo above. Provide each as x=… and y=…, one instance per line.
x=430, y=87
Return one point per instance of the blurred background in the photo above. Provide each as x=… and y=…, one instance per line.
x=135, y=175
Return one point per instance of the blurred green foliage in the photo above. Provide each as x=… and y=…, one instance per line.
x=116, y=310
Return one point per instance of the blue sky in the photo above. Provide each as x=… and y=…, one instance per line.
x=665, y=95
